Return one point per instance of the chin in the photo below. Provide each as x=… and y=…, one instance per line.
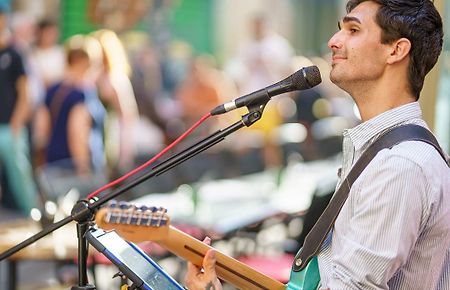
x=334, y=77
x=339, y=81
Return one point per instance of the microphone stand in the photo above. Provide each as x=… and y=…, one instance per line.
x=84, y=210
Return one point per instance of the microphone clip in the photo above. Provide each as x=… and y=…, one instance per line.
x=254, y=114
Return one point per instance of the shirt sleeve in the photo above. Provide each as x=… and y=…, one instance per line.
x=388, y=209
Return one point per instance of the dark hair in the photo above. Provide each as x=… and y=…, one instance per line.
x=419, y=22
x=46, y=22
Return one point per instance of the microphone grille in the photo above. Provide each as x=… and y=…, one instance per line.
x=306, y=78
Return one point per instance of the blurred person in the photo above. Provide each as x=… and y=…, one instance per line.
x=49, y=60
x=23, y=27
x=393, y=230
x=69, y=131
x=203, y=88
x=49, y=55
x=112, y=78
x=94, y=104
x=23, y=31
x=266, y=56
x=265, y=59
x=65, y=122
x=15, y=108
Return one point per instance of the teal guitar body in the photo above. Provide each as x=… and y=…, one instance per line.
x=307, y=279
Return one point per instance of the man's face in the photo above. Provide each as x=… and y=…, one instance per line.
x=358, y=55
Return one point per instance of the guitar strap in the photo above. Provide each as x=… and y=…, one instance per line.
x=318, y=233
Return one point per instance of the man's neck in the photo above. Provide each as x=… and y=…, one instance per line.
x=374, y=98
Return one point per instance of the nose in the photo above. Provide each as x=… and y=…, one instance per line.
x=335, y=41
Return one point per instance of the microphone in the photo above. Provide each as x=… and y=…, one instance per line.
x=303, y=79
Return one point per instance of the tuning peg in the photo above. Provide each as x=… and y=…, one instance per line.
x=112, y=203
x=152, y=209
x=142, y=208
x=124, y=205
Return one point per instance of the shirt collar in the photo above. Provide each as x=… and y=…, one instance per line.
x=366, y=131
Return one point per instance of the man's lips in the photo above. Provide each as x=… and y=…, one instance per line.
x=337, y=58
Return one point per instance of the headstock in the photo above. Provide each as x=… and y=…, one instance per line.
x=134, y=222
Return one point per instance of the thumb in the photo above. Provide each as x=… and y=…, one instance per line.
x=209, y=262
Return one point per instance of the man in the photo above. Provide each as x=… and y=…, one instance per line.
x=67, y=126
x=393, y=232
x=14, y=114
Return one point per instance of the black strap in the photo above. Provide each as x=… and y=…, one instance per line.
x=317, y=235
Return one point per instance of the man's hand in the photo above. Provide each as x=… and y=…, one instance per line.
x=204, y=278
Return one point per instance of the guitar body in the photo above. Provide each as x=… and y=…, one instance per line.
x=138, y=224
x=307, y=279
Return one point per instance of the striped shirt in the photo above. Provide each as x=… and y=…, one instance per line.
x=393, y=232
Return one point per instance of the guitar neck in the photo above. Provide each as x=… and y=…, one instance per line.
x=143, y=223
x=228, y=269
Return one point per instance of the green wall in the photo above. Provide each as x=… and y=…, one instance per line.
x=189, y=20
x=74, y=19
x=192, y=21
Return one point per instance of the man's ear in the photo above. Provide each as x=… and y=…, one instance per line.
x=399, y=50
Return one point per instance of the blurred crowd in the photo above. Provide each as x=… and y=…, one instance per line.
x=87, y=110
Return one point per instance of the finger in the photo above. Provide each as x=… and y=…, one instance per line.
x=192, y=269
x=209, y=262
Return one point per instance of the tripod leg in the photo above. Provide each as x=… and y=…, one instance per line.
x=82, y=258
x=12, y=274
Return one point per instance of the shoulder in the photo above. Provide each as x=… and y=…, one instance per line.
x=420, y=154
x=15, y=53
x=77, y=96
x=412, y=175
x=408, y=163
x=414, y=153
x=413, y=164
x=411, y=155
x=51, y=92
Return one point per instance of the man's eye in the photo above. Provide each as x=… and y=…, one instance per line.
x=353, y=30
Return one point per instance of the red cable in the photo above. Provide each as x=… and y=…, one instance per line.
x=138, y=169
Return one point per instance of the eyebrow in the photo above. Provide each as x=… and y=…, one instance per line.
x=347, y=19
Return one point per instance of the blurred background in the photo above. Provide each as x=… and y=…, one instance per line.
x=108, y=84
